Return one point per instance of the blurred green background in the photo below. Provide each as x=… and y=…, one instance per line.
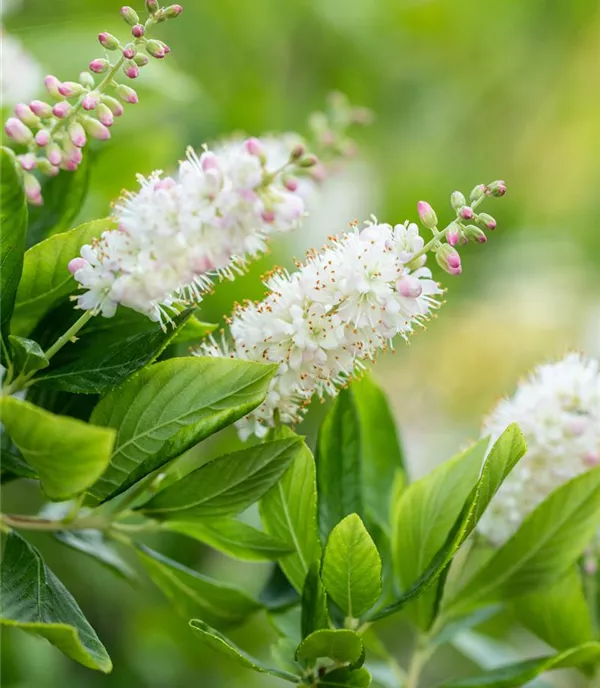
x=464, y=92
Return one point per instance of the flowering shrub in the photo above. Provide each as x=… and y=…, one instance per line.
x=98, y=404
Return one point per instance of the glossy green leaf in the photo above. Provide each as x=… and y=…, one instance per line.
x=68, y=455
x=12, y=463
x=346, y=678
x=63, y=198
x=339, y=464
x=234, y=538
x=382, y=455
x=95, y=545
x=289, y=512
x=425, y=514
x=27, y=356
x=341, y=644
x=314, y=603
x=193, y=594
x=516, y=675
x=13, y=230
x=46, y=279
x=220, y=643
x=278, y=594
x=165, y=409
x=504, y=455
x=544, y=548
x=193, y=331
x=352, y=567
x=226, y=485
x=35, y=600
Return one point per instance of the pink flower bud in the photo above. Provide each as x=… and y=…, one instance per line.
x=454, y=260
x=138, y=31
x=478, y=192
x=27, y=161
x=141, y=60
x=457, y=200
x=497, y=188
x=209, y=161
x=165, y=48
x=253, y=146
x=466, y=213
x=73, y=154
x=173, y=11
x=453, y=234
x=129, y=51
x=155, y=49
x=95, y=128
x=26, y=115
x=90, y=101
x=308, y=161
x=77, y=134
x=68, y=89
x=33, y=190
x=130, y=15
x=291, y=183
x=591, y=459
x=104, y=114
x=166, y=183
x=113, y=105
x=427, y=215
x=108, y=41
x=131, y=70
x=86, y=79
x=99, y=65
x=297, y=152
x=486, y=221
x=17, y=131
x=76, y=264
x=126, y=94
x=268, y=216
x=152, y=6
x=70, y=165
x=62, y=109
x=52, y=84
x=47, y=168
x=409, y=287
x=42, y=138
x=449, y=259
x=54, y=153
x=41, y=109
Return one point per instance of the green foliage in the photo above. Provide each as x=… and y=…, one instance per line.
x=352, y=567
x=94, y=544
x=165, y=409
x=314, y=603
x=68, y=455
x=27, y=356
x=36, y=601
x=341, y=645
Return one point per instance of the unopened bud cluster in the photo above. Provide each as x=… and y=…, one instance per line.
x=51, y=134
x=467, y=226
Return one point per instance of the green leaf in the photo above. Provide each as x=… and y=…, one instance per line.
x=193, y=331
x=231, y=537
x=27, y=355
x=516, y=675
x=339, y=461
x=94, y=544
x=193, y=594
x=46, y=279
x=165, y=409
x=108, y=351
x=544, y=548
x=278, y=594
x=351, y=567
x=425, y=514
x=346, y=678
x=221, y=644
x=12, y=463
x=341, y=645
x=13, y=230
x=35, y=600
x=314, y=603
x=63, y=197
x=504, y=455
x=382, y=455
x=226, y=485
x=68, y=455
x=289, y=512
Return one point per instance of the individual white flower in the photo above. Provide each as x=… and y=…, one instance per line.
x=20, y=75
x=321, y=323
x=558, y=409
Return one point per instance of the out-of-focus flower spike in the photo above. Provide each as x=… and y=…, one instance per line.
x=18, y=131
x=26, y=115
x=33, y=189
x=77, y=134
x=41, y=109
x=47, y=168
x=95, y=128
x=54, y=154
x=42, y=137
x=28, y=161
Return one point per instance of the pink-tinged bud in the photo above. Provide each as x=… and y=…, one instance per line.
x=448, y=259
x=54, y=153
x=427, y=215
x=253, y=146
x=166, y=183
x=453, y=234
x=77, y=134
x=497, y=188
x=457, y=200
x=297, y=152
x=52, y=84
x=165, y=48
x=209, y=161
x=113, y=105
x=131, y=70
x=108, y=41
x=27, y=161
x=46, y=167
x=138, y=31
x=409, y=287
x=473, y=233
x=70, y=165
x=41, y=109
x=130, y=15
x=62, y=109
x=141, y=60
x=73, y=155
x=486, y=221
x=90, y=101
x=76, y=264
x=99, y=65
x=26, y=115
x=126, y=94
x=591, y=459
x=33, y=190
x=318, y=172
x=129, y=51
x=68, y=89
x=308, y=161
x=291, y=183
x=478, y=192
x=151, y=6
x=17, y=131
x=268, y=216
x=95, y=128
x=86, y=79
x=42, y=137
x=105, y=116
x=155, y=49
x=454, y=260
x=173, y=11
x=466, y=213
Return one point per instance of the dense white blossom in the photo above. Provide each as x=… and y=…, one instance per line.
x=558, y=409
x=20, y=75
x=175, y=236
x=322, y=322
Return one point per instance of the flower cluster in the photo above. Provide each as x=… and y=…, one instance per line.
x=321, y=323
x=558, y=410
x=53, y=135
x=175, y=236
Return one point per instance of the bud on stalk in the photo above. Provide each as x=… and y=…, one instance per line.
x=427, y=215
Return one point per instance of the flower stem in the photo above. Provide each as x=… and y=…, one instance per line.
x=69, y=334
